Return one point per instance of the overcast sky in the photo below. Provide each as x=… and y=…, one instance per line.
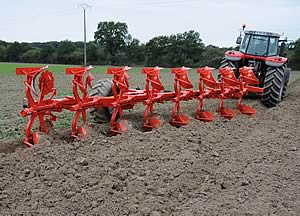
x=218, y=21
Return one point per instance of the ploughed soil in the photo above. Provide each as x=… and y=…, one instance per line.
x=246, y=166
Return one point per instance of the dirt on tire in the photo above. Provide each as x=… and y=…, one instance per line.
x=246, y=166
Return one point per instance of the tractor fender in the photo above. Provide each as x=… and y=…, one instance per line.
x=233, y=55
x=275, y=61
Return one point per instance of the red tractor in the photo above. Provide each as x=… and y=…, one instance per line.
x=264, y=51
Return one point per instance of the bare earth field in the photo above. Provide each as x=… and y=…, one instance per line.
x=247, y=166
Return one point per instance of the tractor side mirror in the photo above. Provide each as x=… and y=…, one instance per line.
x=239, y=40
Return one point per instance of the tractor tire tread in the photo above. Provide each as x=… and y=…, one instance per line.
x=272, y=85
x=102, y=88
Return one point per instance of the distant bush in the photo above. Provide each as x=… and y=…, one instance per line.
x=295, y=58
x=114, y=45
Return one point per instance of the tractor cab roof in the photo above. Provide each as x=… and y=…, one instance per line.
x=261, y=33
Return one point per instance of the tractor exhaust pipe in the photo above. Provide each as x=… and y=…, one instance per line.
x=282, y=49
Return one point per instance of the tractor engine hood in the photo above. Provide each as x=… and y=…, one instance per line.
x=233, y=55
x=275, y=61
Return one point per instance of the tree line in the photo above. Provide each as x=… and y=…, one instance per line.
x=113, y=45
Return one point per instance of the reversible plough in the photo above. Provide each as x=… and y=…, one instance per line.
x=42, y=104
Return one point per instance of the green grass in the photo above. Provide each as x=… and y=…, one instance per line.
x=10, y=68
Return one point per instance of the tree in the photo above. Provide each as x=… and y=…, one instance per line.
x=112, y=36
x=3, y=43
x=46, y=54
x=157, y=50
x=15, y=50
x=91, y=52
x=76, y=57
x=31, y=56
x=64, y=51
x=185, y=48
x=175, y=50
x=3, y=53
x=295, y=59
x=113, y=45
x=135, y=52
x=102, y=58
x=212, y=56
x=3, y=49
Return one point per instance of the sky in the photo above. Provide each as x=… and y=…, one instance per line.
x=217, y=21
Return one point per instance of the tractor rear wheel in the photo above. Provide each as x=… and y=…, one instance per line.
x=275, y=86
x=102, y=88
x=285, y=90
x=227, y=63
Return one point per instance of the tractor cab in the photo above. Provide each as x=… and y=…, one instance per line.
x=257, y=43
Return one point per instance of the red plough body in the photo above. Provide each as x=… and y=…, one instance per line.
x=42, y=104
x=228, y=87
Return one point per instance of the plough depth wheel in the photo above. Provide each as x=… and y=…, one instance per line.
x=102, y=88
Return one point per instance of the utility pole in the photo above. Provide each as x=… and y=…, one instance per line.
x=84, y=6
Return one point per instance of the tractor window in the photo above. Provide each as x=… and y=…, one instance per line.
x=273, y=46
x=258, y=45
x=245, y=43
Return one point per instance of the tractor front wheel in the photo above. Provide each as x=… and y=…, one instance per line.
x=275, y=86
